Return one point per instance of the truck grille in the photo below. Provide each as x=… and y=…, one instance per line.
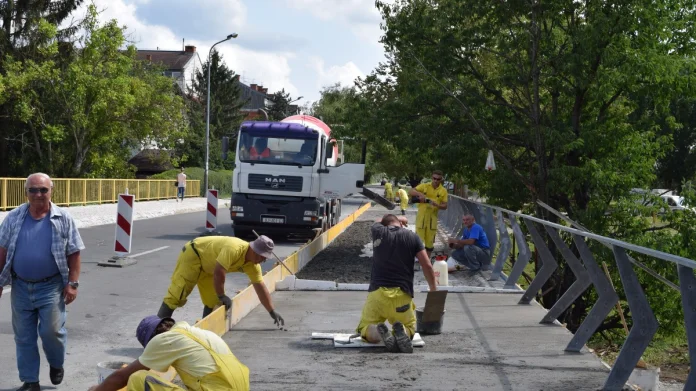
x=273, y=182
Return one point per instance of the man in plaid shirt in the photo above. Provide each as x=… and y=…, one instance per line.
x=40, y=256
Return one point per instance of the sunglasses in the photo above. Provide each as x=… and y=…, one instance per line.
x=437, y=179
x=34, y=190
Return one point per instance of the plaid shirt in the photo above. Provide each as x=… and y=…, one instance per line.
x=66, y=239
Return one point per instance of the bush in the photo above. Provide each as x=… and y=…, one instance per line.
x=220, y=180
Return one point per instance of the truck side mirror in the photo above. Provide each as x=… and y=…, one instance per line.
x=329, y=150
x=225, y=147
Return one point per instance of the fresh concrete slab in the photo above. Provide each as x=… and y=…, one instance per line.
x=488, y=343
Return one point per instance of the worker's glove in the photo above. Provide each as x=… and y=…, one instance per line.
x=226, y=301
x=279, y=321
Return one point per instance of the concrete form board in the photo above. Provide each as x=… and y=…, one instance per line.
x=479, y=348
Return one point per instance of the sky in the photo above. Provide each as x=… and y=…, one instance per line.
x=299, y=45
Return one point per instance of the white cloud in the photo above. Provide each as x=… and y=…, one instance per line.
x=267, y=68
x=361, y=16
x=344, y=74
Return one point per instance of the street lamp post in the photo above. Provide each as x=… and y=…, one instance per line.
x=207, y=115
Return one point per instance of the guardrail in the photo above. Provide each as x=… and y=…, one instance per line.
x=69, y=191
x=495, y=221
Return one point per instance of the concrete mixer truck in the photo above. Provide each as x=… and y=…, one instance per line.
x=290, y=177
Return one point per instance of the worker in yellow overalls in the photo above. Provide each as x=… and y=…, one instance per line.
x=201, y=358
x=403, y=199
x=388, y=192
x=205, y=261
x=433, y=198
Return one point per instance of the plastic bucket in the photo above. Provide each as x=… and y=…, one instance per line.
x=106, y=368
x=428, y=328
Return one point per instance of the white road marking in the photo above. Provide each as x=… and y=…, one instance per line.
x=149, y=251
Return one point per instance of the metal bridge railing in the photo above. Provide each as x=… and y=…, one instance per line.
x=68, y=191
x=495, y=222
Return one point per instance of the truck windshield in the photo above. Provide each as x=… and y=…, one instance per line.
x=276, y=150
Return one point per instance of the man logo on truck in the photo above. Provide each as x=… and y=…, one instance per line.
x=275, y=180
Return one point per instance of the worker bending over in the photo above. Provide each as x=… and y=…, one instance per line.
x=433, y=198
x=403, y=200
x=390, y=294
x=206, y=260
x=201, y=358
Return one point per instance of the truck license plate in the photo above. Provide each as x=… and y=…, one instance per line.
x=273, y=220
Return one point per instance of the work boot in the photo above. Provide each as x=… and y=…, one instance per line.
x=206, y=311
x=30, y=387
x=165, y=311
x=403, y=342
x=57, y=375
x=387, y=338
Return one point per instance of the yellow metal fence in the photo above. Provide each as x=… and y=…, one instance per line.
x=68, y=191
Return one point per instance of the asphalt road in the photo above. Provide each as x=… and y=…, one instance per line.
x=101, y=323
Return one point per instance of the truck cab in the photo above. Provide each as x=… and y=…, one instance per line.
x=289, y=177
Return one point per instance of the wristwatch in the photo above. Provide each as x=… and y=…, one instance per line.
x=74, y=284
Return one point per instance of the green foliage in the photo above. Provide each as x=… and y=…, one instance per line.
x=220, y=180
x=81, y=111
x=575, y=99
x=279, y=106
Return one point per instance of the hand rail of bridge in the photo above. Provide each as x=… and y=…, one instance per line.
x=84, y=191
x=587, y=272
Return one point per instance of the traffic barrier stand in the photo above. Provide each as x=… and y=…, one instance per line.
x=124, y=233
x=211, y=213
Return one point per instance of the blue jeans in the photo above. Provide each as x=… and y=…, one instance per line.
x=180, y=192
x=471, y=256
x=38, y=309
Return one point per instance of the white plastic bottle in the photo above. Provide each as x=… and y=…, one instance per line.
x=441, y=273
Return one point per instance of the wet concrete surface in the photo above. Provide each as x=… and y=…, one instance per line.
x=101, y=323
x=488, y=343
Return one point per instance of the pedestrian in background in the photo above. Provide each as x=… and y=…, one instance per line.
x=433, y=198
x=40, y=255
x=180, y=185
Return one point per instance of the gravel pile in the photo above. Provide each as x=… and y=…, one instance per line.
x=341, y=261
x=92, y=215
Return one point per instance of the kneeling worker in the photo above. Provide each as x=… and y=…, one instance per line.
x=391, y=284
x=206, y=260
x=201, y=358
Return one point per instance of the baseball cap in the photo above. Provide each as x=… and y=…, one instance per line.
x=263, y=245
x=147, y=327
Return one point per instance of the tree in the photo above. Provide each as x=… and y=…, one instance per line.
x=22, y=34
x=279, y=106
x=225, y=113
x=84, y=113
x=568, y=95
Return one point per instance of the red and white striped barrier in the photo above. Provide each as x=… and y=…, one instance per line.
x=211, y=216
x=124, y=224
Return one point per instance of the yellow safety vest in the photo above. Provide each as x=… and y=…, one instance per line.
x=231, y=374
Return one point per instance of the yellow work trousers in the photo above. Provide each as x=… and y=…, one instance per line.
x=390, y=304
x=427, y=235
x=404, y=202
x=187, y=274
x=148, y=381
x=389, y=195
